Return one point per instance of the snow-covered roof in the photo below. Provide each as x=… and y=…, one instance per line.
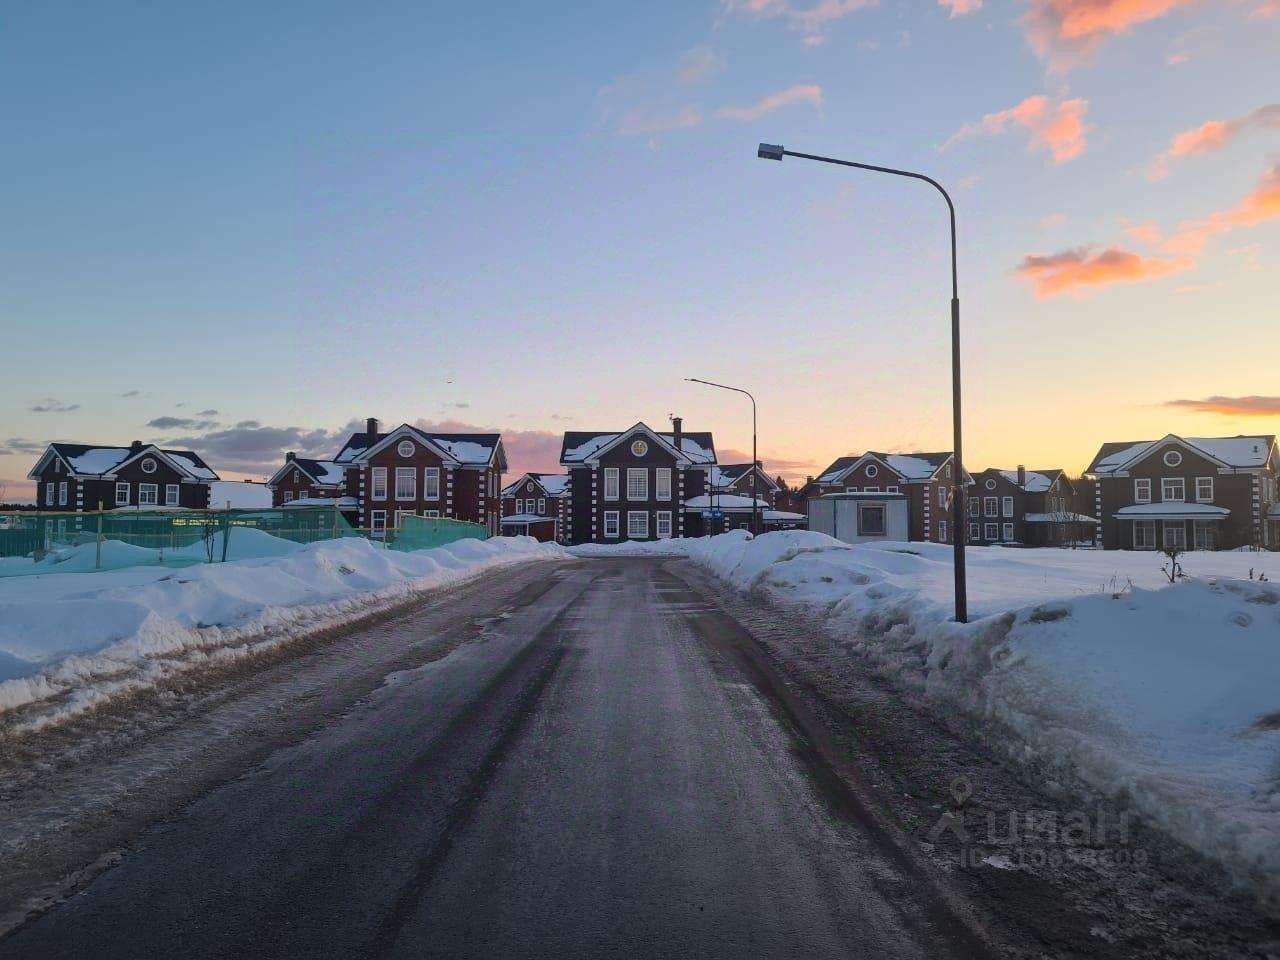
x=469, y=449
x=723, y=501
x=553, y=484
x=726, y=474
x=909, y=466
x=99, y=460
x=1061, y=516
x=93, y=460
x=579, y=446
x=528, y=518
x=778, y=515
x=1037, y=481
x=1172, y=511
x=342, y=503
x=1241, y=452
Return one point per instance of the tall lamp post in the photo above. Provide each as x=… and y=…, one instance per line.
x=755, y=473
x=769, y=151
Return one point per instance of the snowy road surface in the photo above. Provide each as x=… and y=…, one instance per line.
x=607, y=765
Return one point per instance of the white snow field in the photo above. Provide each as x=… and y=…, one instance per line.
x=1083, y=664
x=70, y=641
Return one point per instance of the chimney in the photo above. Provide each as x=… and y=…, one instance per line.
x=290, y=457
x=677, y=432
x=135, y=446
x=1022, y=475
x=371, y=430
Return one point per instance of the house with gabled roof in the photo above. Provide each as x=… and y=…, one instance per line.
x=302, y=480
x=1030, y=508
x=924, y=478
x=390, y=475
x=536, y=505
x=79, y=477
x=736, y=479
x=1192, y=493
x=634, y=484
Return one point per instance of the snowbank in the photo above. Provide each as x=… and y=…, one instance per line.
x=68, y=642
x=1083, y=664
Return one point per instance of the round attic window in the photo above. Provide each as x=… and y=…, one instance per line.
x=990, y=484
x=148, y=465
x=529, y=488
x=872, y=470
x=640, y=448
x=405, y=448
x=1172, y=458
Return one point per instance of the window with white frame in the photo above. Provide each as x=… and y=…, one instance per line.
x=637, y=485
x=662, y=524
x=148, y=493
x=638, y=524
x=122, y=494
x=50, y=491
x=1175, y=535
x=542, y=505
x=989, y=505
x=171, y=494
x=1006, y=506
x=1203, y=535
x=378, y=520
x=406, y=483
x=1144, y=535
x=973, y=531
x=288, y=496
x=62, y=494
x=974, y=507
x=430, y=483
x=378, y=485
x=942, y=496
x=1007, y=533
x=890, y=489
x=1173, y=489
x=942, y=531
x=431, y=513
x=1204, y=489
x=1142, y=490
x=611, y=523
x=991, y=531
x=519, y=507
x=662, y=483
x=611, y=484
x=870, y=489
x=850, y=489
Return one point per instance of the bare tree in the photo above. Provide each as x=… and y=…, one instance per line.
x=1173, y=569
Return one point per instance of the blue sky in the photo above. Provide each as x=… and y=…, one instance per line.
x=543, y=217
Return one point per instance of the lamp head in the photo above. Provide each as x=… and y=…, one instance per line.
x=770, y=151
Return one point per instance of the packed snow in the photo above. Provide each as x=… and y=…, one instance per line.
x=1087, y=665
x=70, y=642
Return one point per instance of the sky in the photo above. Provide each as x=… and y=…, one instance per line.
x=244, y=229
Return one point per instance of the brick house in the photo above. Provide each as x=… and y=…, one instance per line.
x=924, y=478
x=387, y=476
x=79, y=477
x=736, y=479
x=1198, y=493
x=537, y=505
x=1033, y=508
x=301, y=480
x=633, y=484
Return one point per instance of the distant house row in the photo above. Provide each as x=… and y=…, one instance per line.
x=647, y=484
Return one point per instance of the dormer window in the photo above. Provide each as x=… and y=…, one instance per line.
x=405, y=448
x=148, y=465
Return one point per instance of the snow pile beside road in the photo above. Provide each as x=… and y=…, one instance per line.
x=70, y=641
x=1081, y=664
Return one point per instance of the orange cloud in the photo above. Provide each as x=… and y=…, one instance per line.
x=1214, y=135
x=1057, y=273
x=1057, y=127
x=1232, y=406
x=1266, y=10
x=1067, y=32
x=1259, y=206
x=960, y=8
x=1147, y=234
x=800, y=93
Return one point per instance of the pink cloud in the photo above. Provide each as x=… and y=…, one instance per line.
x=800, y=93
x=1056, y=127
x=1079, y=269
x=960, y=8
x=1145, y=233
x=809, y=20
x=1214, y=135
x=1267, y=10
x=528, y=451
x=1252, y=406
x=1068, y=32
x=1259, y=206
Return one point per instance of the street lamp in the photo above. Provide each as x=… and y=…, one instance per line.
x=771, y=151
x=755, y=473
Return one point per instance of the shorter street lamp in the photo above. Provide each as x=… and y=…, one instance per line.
x=755, y=473
x=773, y=151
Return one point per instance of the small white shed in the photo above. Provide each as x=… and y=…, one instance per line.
x=860, y=517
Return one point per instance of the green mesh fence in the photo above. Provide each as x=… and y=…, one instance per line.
x=34, y=543
x=423, y=533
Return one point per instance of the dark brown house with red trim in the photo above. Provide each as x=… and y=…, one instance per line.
x=924, y=478
x=633, y=484
x=1030, y=508
x=387, y=476
x=1192, y=493
x=80, y=477
x=537, y=505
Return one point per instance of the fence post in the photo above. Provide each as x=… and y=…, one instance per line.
x=226, y=530
x=335, y=519
x=97, y=558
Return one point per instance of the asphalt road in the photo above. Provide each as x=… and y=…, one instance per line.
x=599, y=772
